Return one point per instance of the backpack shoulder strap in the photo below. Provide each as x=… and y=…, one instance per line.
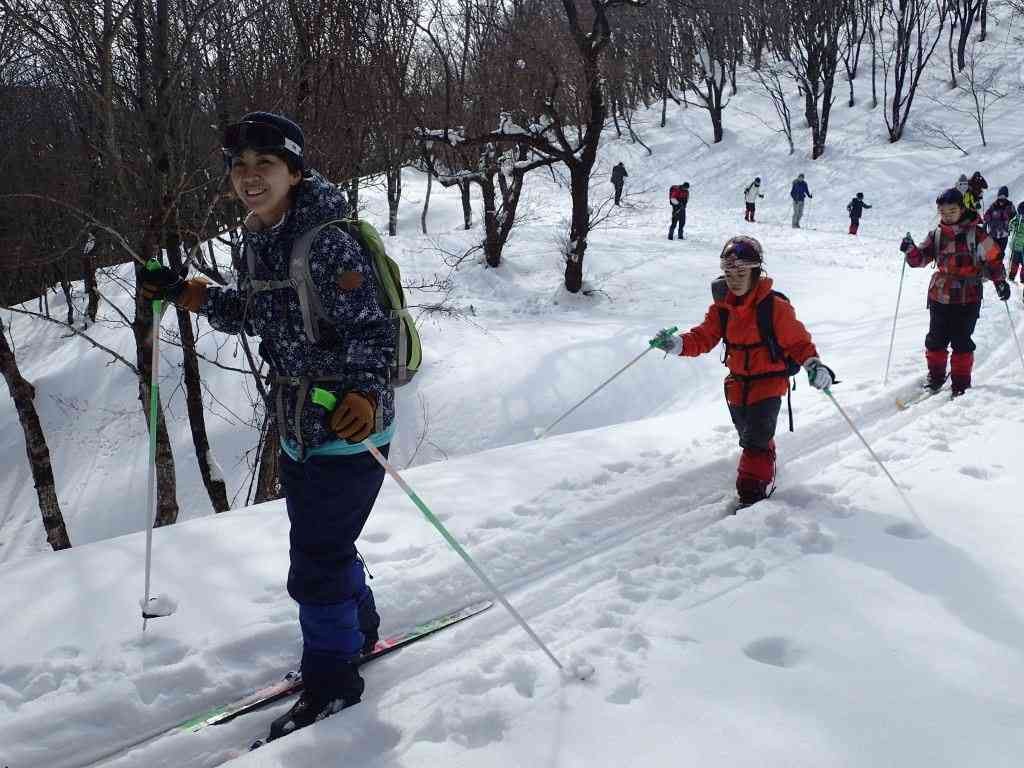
x=302, y=280
x=766, y=323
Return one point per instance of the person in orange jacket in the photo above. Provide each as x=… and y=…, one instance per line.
x=758, y=368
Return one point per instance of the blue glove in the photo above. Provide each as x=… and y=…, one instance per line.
x=1003, y=290
x=819, y=375
x=906, y=243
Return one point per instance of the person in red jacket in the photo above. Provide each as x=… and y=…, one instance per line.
x=758, y=375
x=964, y=255
x=678, y=197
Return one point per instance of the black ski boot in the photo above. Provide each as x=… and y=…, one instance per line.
x=340, y=687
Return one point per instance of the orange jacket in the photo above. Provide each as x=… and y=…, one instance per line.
x=790, y=334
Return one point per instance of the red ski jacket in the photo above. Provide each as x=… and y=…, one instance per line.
x=753, y=375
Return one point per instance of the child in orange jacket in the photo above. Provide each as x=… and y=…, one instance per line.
x=760, y=331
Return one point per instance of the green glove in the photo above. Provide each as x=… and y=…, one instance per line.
x=667, y=341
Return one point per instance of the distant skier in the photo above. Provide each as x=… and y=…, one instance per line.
x=760, y=331
x=798, y=192
x=1016, y=244
x=619, y=175
x=678, y=197
x=750, y=195
x=997, y=218
x=963, y=186
x=856, y=209
x=964, y=255
x=977, y=185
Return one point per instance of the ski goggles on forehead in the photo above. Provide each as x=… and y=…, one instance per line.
x=256, y=136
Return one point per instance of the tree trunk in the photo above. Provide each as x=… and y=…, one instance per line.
x=23, y=394
x=984, y=21
x=467, y=207
x=353, y=197
x=214, y=483
x=394, y=177
x=426, y=202
x=65, y=286
x=91, y=289
x=268, y=486
x=492, y=248
x=579, y=185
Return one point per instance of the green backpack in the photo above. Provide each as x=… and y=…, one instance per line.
x=408, y=350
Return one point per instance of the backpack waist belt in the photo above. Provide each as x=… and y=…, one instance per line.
x=303, y=385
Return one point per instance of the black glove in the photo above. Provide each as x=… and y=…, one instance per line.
x=906, y=243
x=1003, y=290
x=160, y=283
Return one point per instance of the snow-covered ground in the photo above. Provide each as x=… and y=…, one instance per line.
x=814, y=629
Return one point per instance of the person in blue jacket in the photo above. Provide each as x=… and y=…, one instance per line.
x=799, y=192
x=329, y=478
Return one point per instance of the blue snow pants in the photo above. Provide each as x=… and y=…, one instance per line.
x=329, y=499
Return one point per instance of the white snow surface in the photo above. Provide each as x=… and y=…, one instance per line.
x=813, y=629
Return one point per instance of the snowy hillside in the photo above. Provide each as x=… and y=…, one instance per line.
x=818, y=628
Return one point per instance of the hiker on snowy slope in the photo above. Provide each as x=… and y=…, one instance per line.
x=619, y=175
x=963, y=256
x=330, y=481
x=977, y=186
x=856, y=209
x=997, y=218
x=678, y=197
x=798, y=192
x=750, y=195
x=1016, y=243
x=760, y=331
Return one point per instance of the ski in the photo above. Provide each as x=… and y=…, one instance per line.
x=905, y=402
x=291, y=683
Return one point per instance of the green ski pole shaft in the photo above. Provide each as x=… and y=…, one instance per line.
x=154, y=400
x=892, y=336
x=874, y=456
x=454, y=544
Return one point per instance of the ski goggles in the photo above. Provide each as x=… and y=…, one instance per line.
x=740, y=256
x=259, y=137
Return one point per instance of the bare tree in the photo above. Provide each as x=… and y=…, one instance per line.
x=23, y=394
x=914, y=28
x=771, y=80
x=981, y=87
x=708, y=43
x=965, y=13
x=856, y=27
x=811, y=41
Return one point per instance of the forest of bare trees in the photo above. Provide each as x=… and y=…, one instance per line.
x=113, y=110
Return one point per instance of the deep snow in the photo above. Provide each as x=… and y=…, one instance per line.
x=811, y=630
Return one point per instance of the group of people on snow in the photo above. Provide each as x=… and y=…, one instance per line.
x=329, y=473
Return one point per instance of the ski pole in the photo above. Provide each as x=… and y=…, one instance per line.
x=1013, y=328
x=153, y=607
x=892, y=336
x=454, y=544
x=604, y=384
x=154, y=399
x=874, y=456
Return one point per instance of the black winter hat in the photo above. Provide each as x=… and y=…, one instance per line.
x=860, y=195
x=950, y=197
x=686, y=185
x=757, y=179
x=286, y=136
x=1003, y=192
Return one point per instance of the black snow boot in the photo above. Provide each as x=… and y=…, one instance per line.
x=306, y=711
